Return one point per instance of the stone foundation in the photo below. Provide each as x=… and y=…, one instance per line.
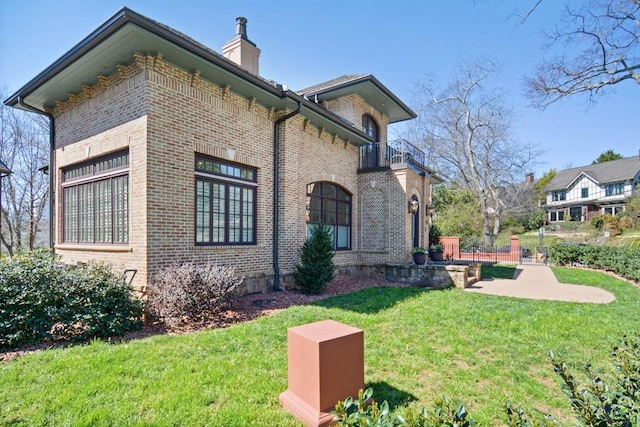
x=435, y=275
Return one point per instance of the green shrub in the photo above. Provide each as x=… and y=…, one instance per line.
x=624, y=261
x=44, y=300
x=536, y=220
x=352, y=412
x=316, y=267
x=190, y=292
x=595, y=403
x=597, y=222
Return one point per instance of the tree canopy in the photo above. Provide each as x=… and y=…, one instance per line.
x=607, y=156
x=24, y=149
x=600, y=47
x=464, y=127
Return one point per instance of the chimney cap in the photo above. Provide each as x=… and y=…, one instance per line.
x=241, y=27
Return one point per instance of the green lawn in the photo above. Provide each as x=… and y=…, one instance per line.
x=419, y=344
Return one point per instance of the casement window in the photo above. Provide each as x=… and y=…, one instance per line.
x=556, y=216
x=614, y=189
x=557, y=196
x=584, y=193
x=95, y=201
x=329, y=204
x=369, y=152
x=225, y=199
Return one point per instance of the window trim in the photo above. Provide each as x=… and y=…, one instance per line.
x=94, y=178
x=211, y=178
x=559, y=196
x=367, y=119
x=337, y=202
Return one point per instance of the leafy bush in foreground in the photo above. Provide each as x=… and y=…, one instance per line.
x=44, y=300
x=190, y=292
x=595, y=403
x=359, y=413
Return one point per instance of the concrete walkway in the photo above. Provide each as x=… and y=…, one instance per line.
x=539, y=282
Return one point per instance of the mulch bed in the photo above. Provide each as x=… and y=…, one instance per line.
x=242, y=309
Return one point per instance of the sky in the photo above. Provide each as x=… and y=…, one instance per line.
x=400, y=42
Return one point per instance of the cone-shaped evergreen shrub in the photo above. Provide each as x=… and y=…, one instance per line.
x=316, y=267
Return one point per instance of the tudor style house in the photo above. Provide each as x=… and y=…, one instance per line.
x=165, y=151
x=580, y=193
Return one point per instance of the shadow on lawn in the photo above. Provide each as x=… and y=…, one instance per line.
x=384, y=391
x=371, y=300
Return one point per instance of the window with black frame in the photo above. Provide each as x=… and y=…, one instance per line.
x=95, y=201
x=370, y=151
x=225, y=199
x=330, y=204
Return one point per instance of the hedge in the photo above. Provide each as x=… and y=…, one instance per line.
x=42, y=300
x=624, y=261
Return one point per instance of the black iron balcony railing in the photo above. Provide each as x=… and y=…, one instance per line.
x=382, y=154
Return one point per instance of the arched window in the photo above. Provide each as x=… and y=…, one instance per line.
x=330, y=204
x=370, y=127
x=370, y=152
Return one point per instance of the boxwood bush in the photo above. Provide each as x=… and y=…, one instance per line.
x=624, y=261
x=42, y=300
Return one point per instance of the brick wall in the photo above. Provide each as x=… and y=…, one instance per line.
x=110, y=120
x=165, y=115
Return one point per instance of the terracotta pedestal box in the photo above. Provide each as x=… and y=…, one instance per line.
x=325, y=365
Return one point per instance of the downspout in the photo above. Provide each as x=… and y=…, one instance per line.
x=276, y=193
x=52, y=134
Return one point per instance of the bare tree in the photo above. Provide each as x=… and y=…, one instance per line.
x=605, y=34
x=24, y=149
x=465, y=131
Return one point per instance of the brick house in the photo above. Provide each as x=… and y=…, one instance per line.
x=581, y=193
x=163, y=151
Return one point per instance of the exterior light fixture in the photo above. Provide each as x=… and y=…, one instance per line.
x=413, y=204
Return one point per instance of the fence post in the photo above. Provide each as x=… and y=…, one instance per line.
x=515, y=249
x=451, y=246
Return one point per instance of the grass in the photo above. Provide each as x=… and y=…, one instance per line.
x=419, y=344
x=498, y=271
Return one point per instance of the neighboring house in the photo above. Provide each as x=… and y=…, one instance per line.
x=581, y=193
x=164, y=151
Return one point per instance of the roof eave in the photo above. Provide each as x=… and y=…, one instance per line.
x=116, y=22
x=409, y=113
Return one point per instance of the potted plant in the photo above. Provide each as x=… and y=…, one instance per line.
x=419, y=255
x=435, y=252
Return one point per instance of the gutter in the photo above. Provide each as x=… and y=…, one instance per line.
x=276, y=192
x=52, y=134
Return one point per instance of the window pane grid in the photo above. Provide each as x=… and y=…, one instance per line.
x=329, y=204
x=97, y=211
x=224, y=210
x=218, y=167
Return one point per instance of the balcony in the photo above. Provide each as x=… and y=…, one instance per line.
x=385, y=154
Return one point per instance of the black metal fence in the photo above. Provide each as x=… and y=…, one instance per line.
x=521, y=254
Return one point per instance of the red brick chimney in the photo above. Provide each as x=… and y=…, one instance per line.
x=528, y=178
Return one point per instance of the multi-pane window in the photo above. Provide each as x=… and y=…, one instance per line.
x=614, y=189
x=369, y=152
x=558, y=196
x=95, y=201
x=331, y=205
x=584, y=193
x=556, y=216
x=225, y=203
